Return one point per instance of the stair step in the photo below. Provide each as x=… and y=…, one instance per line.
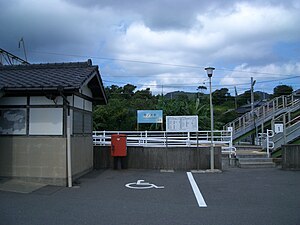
x=251, y=160
x=254, y=159
x=249, y=156
x=248, y=148
x=257, y=165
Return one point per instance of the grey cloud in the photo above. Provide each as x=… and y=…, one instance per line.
x=101, y=28
x=68, y=32
x=159, y=14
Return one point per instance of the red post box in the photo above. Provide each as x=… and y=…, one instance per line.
x=118, y=145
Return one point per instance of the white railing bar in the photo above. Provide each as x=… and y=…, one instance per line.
x=165, y=139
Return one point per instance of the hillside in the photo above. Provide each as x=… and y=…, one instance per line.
x=192, y=95
x=176, y=94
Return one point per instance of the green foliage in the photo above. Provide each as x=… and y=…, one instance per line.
x=201, y=88
x=282, y=90
x=245, y=98
x=221, y=96
x=121, y=111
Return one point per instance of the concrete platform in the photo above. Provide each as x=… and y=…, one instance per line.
x=19, y=186
x=235, y=196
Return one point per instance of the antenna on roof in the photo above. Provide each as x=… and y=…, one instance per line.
x=10, y=59
x=23, y=44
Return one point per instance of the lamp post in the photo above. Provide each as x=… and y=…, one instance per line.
x=209, y=71
x=252, y=109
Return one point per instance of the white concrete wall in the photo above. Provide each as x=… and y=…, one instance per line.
x=82, y=154
x=41, y=159
x=13, y=101
x=84, y=104
x=42, y=100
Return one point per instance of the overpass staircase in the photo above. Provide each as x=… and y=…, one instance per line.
x=284, y=109
x=290, y=131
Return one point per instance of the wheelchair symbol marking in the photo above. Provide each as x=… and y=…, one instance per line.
x=141, y=184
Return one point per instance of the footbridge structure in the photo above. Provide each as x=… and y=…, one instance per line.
x=280, y=114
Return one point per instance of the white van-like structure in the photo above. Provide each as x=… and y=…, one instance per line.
x=46, y=120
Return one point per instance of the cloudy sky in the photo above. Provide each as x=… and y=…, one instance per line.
x=162, y=44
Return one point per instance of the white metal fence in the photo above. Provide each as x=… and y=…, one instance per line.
x=169, y=139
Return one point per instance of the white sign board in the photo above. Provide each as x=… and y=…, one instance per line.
x=182, y=123
x=278, y=128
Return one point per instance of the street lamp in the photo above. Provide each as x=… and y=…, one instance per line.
x=209, y=71
x=252, y=109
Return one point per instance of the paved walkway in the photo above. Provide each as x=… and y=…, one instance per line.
x=19, y=186
x=236, y=196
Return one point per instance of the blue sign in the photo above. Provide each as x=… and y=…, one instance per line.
x=150, y=116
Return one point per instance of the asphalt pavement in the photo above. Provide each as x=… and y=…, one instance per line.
x=109, y=197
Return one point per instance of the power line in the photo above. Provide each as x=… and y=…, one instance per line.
x=254, y=72
x=278, y=79
x=159, y=63
x=196, y=85
x=122, y=60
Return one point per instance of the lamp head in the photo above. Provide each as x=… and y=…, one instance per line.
x=209, y=71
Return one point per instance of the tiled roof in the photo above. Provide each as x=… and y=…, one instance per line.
x=46, y=76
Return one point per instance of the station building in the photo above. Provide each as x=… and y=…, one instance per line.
x=46, y=120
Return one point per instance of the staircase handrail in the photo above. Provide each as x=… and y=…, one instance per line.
x=266, y=109
x=288, y=122
x=290, y=132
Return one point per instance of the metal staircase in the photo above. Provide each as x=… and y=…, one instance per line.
x=291, y=130
x=283, y=105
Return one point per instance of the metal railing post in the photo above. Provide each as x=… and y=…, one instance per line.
x=270, y=133
x=104, y=138
x=268, y=145
x=284, y=128
x=230, y=143
x=146, y=137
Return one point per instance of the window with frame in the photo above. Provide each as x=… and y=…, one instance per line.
x=13, y=121
x=82, y=122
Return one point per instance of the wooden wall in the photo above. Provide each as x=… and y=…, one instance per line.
x=291, y=157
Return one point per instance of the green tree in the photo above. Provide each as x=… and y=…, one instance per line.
x=201, y=88
x=221, y=96
x=121, y=111
x=282, y=90
x=128, y=91
x=245, y=98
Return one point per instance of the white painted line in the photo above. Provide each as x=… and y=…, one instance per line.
x=196, y=190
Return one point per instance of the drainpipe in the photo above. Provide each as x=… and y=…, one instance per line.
x=69, y=156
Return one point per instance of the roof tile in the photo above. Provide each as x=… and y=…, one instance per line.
x=50, y=75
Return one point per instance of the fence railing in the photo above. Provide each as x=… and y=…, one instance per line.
x=270, y=109
x=169, y=139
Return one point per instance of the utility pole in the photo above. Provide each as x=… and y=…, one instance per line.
x=252, y=107
x=235, y=99
x=252, y=95
x=163, y=104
